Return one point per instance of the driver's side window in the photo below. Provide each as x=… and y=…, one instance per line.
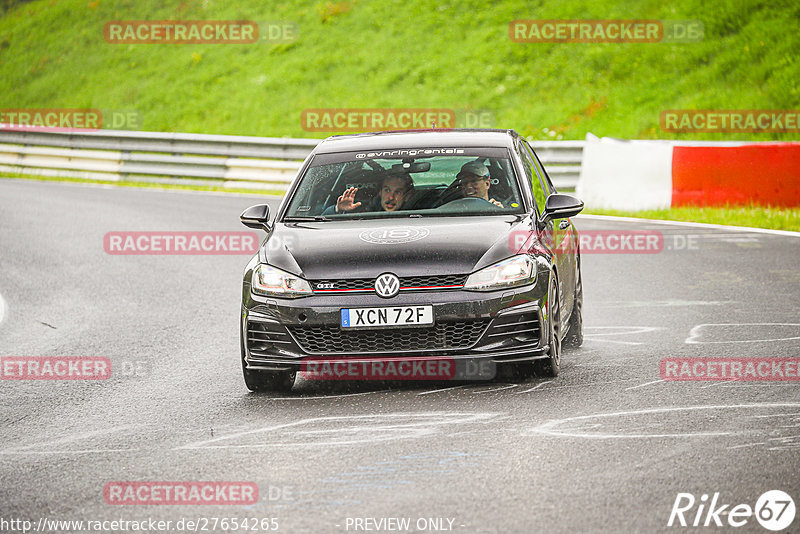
x=548, y=185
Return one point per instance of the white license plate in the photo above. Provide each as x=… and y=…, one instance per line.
x=394, y=316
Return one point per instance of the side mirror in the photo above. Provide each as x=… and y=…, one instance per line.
x=256, y=217
x=560, y=206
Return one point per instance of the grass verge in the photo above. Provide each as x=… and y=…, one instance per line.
x=404, y=54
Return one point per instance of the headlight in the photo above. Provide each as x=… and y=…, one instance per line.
x=272, y=282
x=516, y=271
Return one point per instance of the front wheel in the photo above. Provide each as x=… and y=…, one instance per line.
x=550, y=365
x=574, y=337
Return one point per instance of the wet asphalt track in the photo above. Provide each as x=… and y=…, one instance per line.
x=605, y=447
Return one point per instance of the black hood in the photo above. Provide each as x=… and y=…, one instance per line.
x=405, y=247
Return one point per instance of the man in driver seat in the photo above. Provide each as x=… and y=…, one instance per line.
x=474, y=181
x=396, y=189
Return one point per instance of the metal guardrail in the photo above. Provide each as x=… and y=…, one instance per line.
x=563, y=160
x=225, y=160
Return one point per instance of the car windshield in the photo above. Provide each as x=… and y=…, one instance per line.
x=409, y=182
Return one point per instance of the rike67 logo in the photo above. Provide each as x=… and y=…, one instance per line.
x=774, y=510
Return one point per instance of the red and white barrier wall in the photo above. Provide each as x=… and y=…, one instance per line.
x=639, y=175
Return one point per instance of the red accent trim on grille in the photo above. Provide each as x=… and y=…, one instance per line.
x=368, y=290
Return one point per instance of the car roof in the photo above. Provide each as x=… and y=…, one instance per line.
x=418, y=139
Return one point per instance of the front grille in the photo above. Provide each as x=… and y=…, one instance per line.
x=354, y=283
x=332, y=340
x=263, y=336
x=522, y=327
x=425, y=281
x=408, y=282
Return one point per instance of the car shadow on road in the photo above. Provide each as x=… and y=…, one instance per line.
x=314, y=388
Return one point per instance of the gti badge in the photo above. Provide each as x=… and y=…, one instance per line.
x=387, y=285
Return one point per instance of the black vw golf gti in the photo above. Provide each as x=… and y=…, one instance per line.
x=408, y=246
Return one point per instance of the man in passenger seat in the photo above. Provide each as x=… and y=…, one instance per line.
x=475, y=181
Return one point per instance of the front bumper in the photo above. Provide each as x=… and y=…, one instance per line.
x=502, y=326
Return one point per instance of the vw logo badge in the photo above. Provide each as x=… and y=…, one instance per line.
x=387, y=285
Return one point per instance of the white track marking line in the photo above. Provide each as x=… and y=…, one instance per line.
x=747, y=445
x=694, y=333
x=619, y=331
x=715, y=235
x=325, y=396
x=537, y=386
x=2, y=309
x=718, y=383
x=438, y=390
x=662, y=303
x=204, y=443
x=610, y=361
x=84, y=451
x=616, y=382
x=236, y=435
x=549, y=429
x=623, y=330
x=645, y=384
x=764, y=383
x=593, y=338
x=784, y=438
x=501, y=388
x=367, y=422
x=692, y=225
x=69, y=439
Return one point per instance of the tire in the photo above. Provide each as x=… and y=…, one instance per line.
x=550, y=366
x=574, y=337
x=259, y=381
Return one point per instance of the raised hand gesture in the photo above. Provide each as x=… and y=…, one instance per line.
x=346, y=202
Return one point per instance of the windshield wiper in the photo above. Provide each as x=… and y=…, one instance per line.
x=306, y=219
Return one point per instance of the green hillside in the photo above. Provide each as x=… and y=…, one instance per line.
x=405, y=54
